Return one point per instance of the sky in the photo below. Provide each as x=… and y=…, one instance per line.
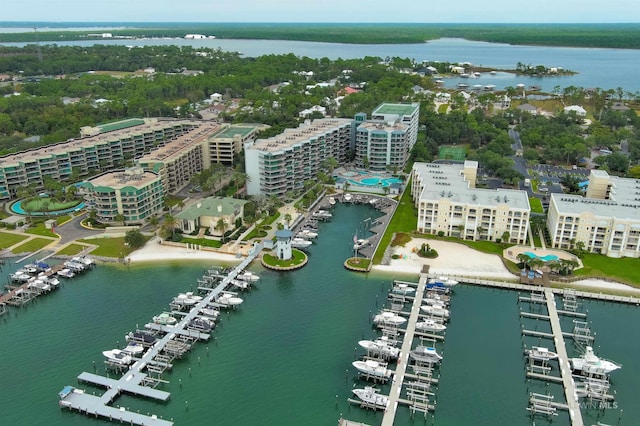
x=409, y=11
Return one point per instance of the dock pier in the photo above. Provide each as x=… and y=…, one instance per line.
x=176, y=342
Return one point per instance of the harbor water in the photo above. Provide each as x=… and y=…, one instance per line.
x=284, y=357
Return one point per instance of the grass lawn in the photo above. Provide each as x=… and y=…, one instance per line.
x=258, y=231
x=71, y=250
x=405, y=219
x=536, y=205
x=401, y=239
x=624, y=269
x=32, y=245
x=7, y=239
x=360, y=262
x=173, y=201
x=39, y=229
x=457, y=153
x=297, y=257
x=202, y=242
x=109, y=247
x=43, y=204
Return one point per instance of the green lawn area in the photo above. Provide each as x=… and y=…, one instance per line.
x=457, y=153
x=258, y=231
x=7, y=239
x=360, y=262
x=202, y=242
x=109, y=247
x=32, y=245
x=43, y=204
x=624, y=269
x=39, y=229
x=71, y=250
x=296, y=258
x=173, y=201
x=536, y=205
x=405, y=219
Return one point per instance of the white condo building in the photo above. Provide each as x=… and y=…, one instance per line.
x=283, y=163
x=606, y=220
x=387, y=138
x=449, y=203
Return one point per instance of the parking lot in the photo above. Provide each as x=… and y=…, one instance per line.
x=548, y=173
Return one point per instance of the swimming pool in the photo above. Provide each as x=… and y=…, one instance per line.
x=547, y=258
x=17, y=208
x=370, y=181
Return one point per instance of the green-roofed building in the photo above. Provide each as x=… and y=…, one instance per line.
x=226, y=144
x=133, y=193
x=387, y=138
x=207, y=213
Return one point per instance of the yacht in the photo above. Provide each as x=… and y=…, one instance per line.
x=371, y=397
x=430, y=325
x=436, y=310
x=164, y=319
x=228, y=300
x=447, y=282
x=372, y=368
x=307, y=234
x=425, y=354
x=388, y=318
x=187, y=299
x=590, y=363
x=403, y=289
x=201, y=324
x=141, y=337
x=118, y=356
x=541, y=354
x=380, y=347
x=134, y=348
x=248, y=276
x=240, y=284
x=298, y=242
x=66, y=273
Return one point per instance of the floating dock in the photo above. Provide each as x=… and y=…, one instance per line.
x=134, y=380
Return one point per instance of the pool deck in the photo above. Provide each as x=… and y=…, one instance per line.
x=511, y=253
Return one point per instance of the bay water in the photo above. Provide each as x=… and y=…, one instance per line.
x=284, y=357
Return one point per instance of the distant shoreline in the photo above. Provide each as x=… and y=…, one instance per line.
x=615, y=36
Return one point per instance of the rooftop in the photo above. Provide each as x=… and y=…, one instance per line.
x=175, y=147
x=233, y=130
x=446, y=181
x=133, y=178
x=302, y=133
x=117, y=125
x=212, y=206
x=399, y=109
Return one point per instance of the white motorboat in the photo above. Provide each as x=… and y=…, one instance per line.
x=347, y=197
x=20, y=277
x=438, y=295
x=332, y=201
x=435, y=300
x=66, y=273
x=118, y=356
x=186, y=299
x=248, y=276
x=52, y=281
x=164, y=319
x=298, y=242
x=372, y=368
x=403, y=289
x=435, y=310
x=210, y=313
x=141, y=337
x=371, y=397
x=388, y=318
x=430, y=325
x=227, y=299
x=201, y=324
x=590, y=363
x=426, y=354
x=134, y=348
x=380, y=347
x=447, y=282
x=240, y=284
x=360, y=244
x=541, y=354
x=307, y=234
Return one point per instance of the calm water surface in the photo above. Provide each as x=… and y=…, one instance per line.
x=285, y=356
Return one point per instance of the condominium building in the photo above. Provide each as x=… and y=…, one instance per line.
x=386, y=140
x=449, y=204
x=133, y=193
x=79, y=157
x=176, y=149
x=605, y=221
x=283, y=163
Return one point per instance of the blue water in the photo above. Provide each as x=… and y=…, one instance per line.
x=17, y=208
x=371, y=181
x=546, y=258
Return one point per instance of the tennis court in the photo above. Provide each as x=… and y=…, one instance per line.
x=456, y=153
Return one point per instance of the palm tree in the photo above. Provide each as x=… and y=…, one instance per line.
x=170, y=223
x=221, y=225
x=120, y=218
x=523, y=258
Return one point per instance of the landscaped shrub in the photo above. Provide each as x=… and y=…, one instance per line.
x=427, y=251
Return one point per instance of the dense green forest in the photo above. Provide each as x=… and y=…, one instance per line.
x=626, y=36
x=61, y=96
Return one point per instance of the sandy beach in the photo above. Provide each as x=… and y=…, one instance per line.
x=154, y=252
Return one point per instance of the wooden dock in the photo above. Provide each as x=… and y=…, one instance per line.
x=563, y=359
x=132, y=382
x=403, y=361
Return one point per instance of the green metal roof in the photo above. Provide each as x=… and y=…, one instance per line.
x=122, y=124
x=235, y=130
x=212, y=206
x=400, y=109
